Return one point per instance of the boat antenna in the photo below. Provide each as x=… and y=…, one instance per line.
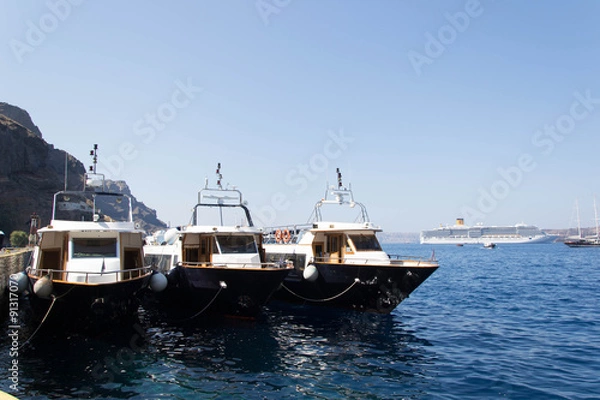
x=94, y=154
x=339, y=178
x=219, y=176
x=92, y=171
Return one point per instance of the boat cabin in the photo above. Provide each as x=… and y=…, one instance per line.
x=326, y=242
x=91, y=239
x=89, y=257
x=221, y=249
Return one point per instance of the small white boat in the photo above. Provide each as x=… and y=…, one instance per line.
x=216, y=264
x=489, y=245
x=342, y=264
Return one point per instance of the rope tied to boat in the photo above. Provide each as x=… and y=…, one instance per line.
x=356, y=280
x=222, y=285
x=54, y=298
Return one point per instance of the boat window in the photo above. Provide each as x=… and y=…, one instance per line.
x=91, y=206
x=50, y=259
x=365, y=242
x=191, y=254
x=237, y=244
x=161, y=262
x=83, y=248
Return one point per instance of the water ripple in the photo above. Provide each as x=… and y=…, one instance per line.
x=515, y=322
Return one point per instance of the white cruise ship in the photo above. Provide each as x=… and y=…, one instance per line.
x=462, y=234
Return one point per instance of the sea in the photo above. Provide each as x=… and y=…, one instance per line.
x=514, y=322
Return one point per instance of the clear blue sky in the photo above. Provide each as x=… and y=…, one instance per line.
x=422, y=104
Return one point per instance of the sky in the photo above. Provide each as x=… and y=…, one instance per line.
x=433, y=110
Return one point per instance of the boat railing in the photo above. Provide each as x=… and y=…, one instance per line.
x=62, y=275
x=397, y=258
x=394, y=259
x=255, y=265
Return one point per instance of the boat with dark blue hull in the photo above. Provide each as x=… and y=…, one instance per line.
x=342, y=264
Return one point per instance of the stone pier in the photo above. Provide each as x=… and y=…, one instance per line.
x=11, y=262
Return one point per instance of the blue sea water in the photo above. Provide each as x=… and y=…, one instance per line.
x=515, y=322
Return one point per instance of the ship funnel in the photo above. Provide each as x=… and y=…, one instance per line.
x=460, y=221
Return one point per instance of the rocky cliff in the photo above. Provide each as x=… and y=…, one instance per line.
x=20, y=116
x=32, y=170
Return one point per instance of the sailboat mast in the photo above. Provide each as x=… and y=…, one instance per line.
x=596, y=218
x=578, y=218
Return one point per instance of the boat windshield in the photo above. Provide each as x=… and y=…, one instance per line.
x=90, y=248
x=365, y=242
x=237, y=244
x=91, y=206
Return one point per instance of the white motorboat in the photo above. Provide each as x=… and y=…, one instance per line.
x=215, y=265
x=342, y=264
x=88, y=263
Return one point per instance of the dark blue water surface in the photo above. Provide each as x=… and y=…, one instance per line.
x=516, y=322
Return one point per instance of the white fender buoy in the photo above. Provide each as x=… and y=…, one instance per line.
x=170, y=236
x=22, y=282
x=158, y=282
x=43, y=287
x=310, y=273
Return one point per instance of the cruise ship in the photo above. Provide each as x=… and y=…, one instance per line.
x=462, y=234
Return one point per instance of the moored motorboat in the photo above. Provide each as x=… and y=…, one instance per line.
x=214, y=266
x=87, y=267
x=342, y=264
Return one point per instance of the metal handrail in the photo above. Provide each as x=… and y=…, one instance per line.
x=408, y=257
x=367, y=261
x=130, y=272
x=235, y=264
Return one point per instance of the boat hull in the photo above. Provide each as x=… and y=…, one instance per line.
x=226, y=291
x=88, y=306
x=371, y=288
x=583, y=243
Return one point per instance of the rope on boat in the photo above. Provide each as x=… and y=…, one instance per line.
x=356, y=280
x=41, y=323
x=223, y=286
x=54, y=298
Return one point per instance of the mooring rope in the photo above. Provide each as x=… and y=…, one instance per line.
x=54, y=298
x=356, y=280
x=41, y=323
x=224, y=286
